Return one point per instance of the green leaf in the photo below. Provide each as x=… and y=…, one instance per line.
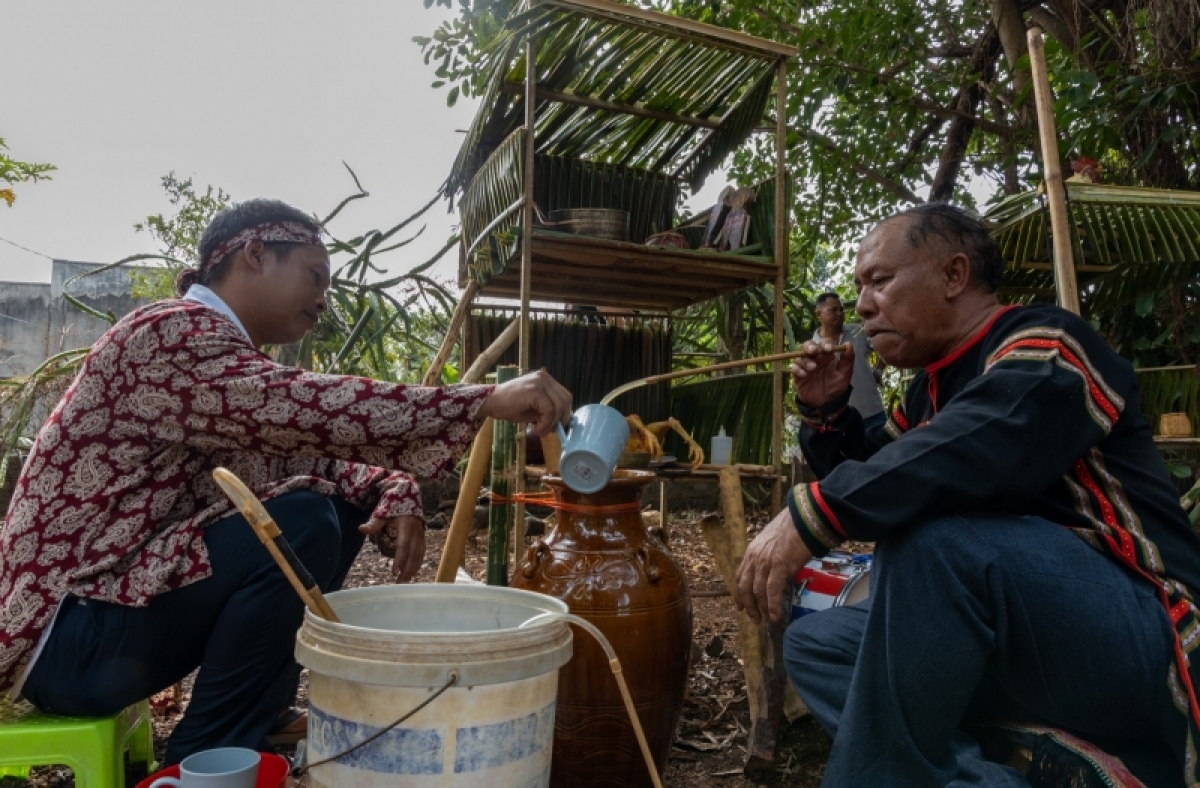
x=1180, y=470
x=1144, y=304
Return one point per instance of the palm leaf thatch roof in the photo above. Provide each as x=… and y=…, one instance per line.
x=621, y=85
x=1127, y=241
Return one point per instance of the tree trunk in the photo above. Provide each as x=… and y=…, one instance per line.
x=982, y=70
x=1010, y=24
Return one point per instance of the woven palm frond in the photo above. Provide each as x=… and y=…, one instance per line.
x=1171, y=390
x=739, y=403
x=699, y=97
x=1127, y=242
x=493, y=199
x=589, y=358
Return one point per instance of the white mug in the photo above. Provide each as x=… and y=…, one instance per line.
x=226, y=767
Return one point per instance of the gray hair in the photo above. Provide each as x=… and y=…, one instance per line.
x=962, y=232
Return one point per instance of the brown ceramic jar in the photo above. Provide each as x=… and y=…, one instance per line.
x=610, y=571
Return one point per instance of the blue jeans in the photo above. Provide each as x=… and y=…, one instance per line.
x=237, y=625
x=984, y=618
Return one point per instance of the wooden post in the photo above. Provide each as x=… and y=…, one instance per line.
x=434, y=373
x=526, y=272
x=464, y=509
x=500, y=513
x=1060, y=226
x=488, y=358
x=781, y=262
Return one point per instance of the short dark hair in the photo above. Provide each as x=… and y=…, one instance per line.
x=231, y=221
x=826, y=296
x=962, y=232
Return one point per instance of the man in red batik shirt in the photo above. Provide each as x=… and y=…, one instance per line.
x=123, y=567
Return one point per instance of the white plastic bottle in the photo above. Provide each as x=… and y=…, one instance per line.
x=722, y=448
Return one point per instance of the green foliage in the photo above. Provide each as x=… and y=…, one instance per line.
x=13, y=172
x=459, y=46
x=178, y=235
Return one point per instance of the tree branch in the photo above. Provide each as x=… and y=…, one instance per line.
x=962, y=126
x=898, y=189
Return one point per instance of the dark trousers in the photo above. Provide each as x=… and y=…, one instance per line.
x=986, y=618
x=238, y=626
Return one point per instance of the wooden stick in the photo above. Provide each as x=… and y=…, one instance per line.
x=1060, y=227
x=615, y=664
x=763, y=744
x=464, y=509
x=477, y=465
x=778, y=386
x=685, y=373
x=434, y=373
x=488, y=358
x=270, y=535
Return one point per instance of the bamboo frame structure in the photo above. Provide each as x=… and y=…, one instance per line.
x=577, y=269
x=781, y=264
x=1064, y=262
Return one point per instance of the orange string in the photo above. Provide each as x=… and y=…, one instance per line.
x=548, y=500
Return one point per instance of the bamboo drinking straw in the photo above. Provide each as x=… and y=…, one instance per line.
x=685, y=373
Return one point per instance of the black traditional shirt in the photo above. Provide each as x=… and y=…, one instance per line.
x=1034, y=415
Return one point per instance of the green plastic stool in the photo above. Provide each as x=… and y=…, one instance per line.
x=94, y=747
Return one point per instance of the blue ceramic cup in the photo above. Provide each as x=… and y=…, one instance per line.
x=591, y=450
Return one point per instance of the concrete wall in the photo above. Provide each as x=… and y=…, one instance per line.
x=36, y=321
x=24, y=323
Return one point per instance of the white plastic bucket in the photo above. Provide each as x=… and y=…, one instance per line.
x=397, y=645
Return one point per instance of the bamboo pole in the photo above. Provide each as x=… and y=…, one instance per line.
x=488, y=358
x=781, y=262
x=1064, y=264
x=434, y=373
x=687, y=373
x=500, y=513
x=464, y=509
x=518, y=521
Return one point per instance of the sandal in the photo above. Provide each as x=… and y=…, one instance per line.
x=291, y=727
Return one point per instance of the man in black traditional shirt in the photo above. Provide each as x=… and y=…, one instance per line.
x=1032, y=561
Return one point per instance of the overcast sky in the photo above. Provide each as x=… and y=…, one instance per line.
x=263, y=98
x=259, y=98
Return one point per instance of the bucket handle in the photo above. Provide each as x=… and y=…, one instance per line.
x=615, y=665
x=451, y=680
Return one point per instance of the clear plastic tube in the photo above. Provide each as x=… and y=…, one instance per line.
x=615, y=665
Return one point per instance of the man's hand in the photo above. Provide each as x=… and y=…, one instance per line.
x=410, y=543
x=822, y=376
x=772, y=559
x=536, y=398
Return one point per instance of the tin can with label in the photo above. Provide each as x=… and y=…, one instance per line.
x=836, y=580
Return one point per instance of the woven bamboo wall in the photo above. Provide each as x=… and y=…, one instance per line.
x=590, y=359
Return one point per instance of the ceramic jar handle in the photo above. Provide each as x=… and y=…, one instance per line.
x=653, y=573
x=537, y=552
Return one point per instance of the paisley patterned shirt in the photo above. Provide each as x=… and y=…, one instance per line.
x=113, y=500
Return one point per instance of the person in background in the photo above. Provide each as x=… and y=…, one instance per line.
x=864, y=396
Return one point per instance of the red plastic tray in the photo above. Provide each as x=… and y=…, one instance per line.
x=272, y=772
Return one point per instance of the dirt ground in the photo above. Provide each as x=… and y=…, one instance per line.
x=710, y=744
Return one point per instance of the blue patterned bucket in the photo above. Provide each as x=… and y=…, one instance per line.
x=394, y=648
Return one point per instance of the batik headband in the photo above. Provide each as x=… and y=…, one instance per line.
x=269, y=232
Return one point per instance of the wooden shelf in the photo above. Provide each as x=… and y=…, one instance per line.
x=1164, y=442
x=598, y=272
x=682, y=473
